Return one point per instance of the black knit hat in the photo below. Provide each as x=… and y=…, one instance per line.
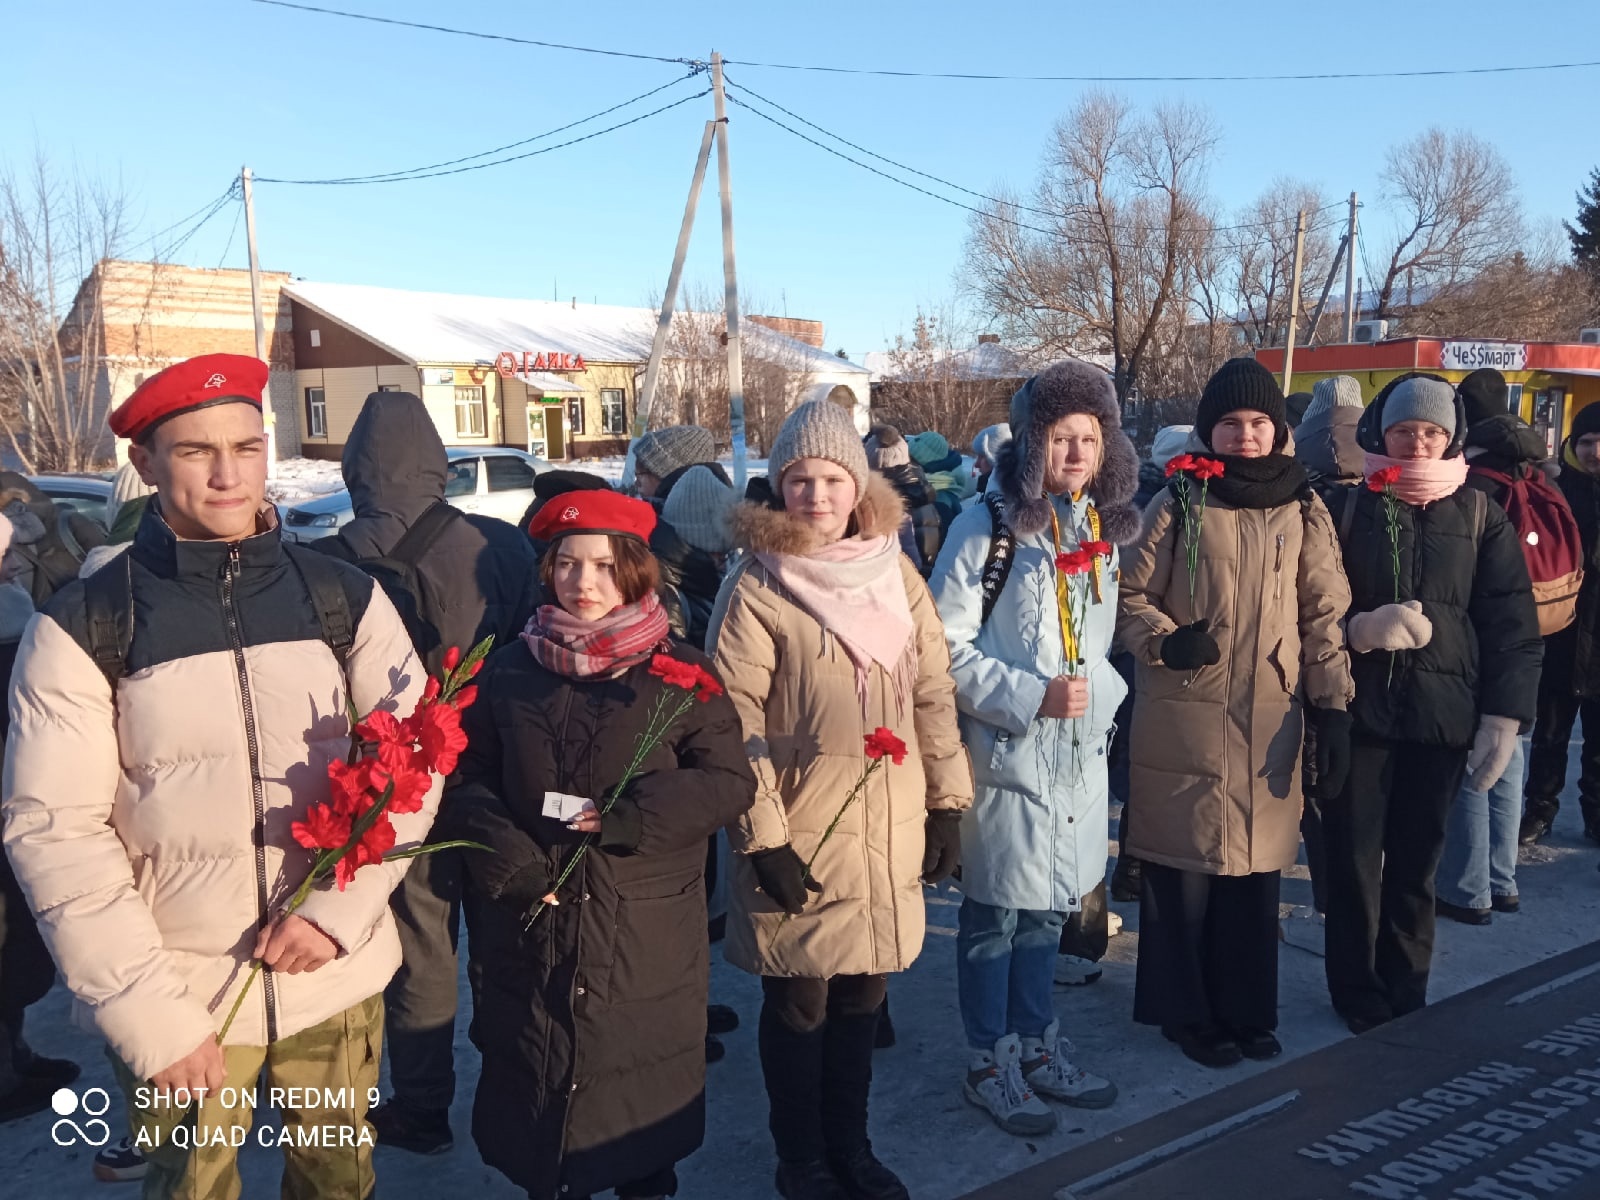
x=1483, y=395
x=1241, y=383
x=1584, y=422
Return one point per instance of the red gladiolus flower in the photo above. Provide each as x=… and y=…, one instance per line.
x=350, y=787
x=452, y=658
x=466, y=698
x=410, y=789
x=323, y=828
x=1184, y=462
x=1387, y=477
x=706, y=685
x=1207, y=468
x=674, y=672
x=430, y=691
x=377, y=841
x=438, y=732
x=883, y=743
x=472, y=671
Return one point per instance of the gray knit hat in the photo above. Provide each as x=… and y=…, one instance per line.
x=697, y=509
x=1421, y=399
x=663, y=451
x=819, y=429
x=1336, y=391
x=887, y=448
x=988, y=441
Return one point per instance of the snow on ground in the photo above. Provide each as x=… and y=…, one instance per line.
x=297, y=479
x=921, y=1125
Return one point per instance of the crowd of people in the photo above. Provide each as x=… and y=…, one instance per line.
x=902, y=670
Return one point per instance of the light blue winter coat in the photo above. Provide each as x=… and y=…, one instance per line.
x=1036, y=835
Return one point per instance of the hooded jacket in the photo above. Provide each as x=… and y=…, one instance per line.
x=1572, y=656
x=804, y=732
x=1485, y=653
x=690, y=579
x=911, y=481
x=480, y=576
x=1325, y=444
x=150, y=826
x=39, y=557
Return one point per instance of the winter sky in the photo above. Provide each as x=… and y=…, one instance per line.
x=174, y=95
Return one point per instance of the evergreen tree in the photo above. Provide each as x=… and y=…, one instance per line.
x=1585, y=235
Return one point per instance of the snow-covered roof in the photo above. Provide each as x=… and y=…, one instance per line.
x=440, y=327
x=987, y=360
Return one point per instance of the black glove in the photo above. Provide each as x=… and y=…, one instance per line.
x=781, y=874
x=1190, y=647
x=622, y=827
x=941, y=854
x=1333, y=751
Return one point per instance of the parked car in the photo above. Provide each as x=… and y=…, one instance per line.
x=495, y=481
x=86, y=494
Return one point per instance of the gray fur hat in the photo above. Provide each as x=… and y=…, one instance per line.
x=1059, y=391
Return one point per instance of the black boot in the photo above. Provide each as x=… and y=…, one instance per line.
x=791, y=1065
x=846, y=1082
x=1127, y=879
x=1537, y=817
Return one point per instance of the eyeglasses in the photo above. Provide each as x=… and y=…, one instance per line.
x=1428, y=437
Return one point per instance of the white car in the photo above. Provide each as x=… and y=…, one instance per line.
x=495, y=481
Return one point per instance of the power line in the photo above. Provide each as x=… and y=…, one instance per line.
x=499, y=162
x=977, y=76
x=408, y=172
x=204, y=208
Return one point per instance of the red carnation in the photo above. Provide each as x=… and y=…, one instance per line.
x=883, y=743
x=1387, y=477
x=1184, y=462
x=674, y=672
x=1074, y=563
x=706, y=685
x=1097, y=549
x=1207, y=468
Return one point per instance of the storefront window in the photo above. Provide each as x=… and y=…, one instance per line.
x=316, y=413
x=613, y=418
x=471, y=415
x=575, y=416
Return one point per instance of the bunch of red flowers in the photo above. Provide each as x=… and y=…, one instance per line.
x=1383, y=481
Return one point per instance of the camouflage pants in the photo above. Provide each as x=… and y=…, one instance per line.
x=321, y=1080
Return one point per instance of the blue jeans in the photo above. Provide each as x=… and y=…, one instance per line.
x=1480, y=840
x=1005, y=969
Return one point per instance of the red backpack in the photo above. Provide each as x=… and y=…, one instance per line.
x=1550, y=542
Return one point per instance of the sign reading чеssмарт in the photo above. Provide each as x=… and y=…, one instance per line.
x=1469, y=356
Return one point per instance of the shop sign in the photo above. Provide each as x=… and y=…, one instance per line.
x=438, y=376
x=1469, y=356
x=509, y=363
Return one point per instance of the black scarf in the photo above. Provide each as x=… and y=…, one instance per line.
x=1270, y=481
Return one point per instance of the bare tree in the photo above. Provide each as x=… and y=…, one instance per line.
x=1093, y=263
x=1262, y=259
x=1455, y=213
x=941, y=377
x=54, y=231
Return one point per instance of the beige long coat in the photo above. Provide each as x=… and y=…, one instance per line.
x=795, y=690
x=1215, y=771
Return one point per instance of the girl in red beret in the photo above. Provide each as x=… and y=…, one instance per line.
x=592, y=1019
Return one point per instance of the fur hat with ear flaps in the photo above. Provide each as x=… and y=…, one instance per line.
x=1060, y=390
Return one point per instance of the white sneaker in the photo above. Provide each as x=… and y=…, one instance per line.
x=1048, y=1069
x=1113, y=924
x=995, y=1084
x=1072, y=971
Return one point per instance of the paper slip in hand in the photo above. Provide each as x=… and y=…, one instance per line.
x=561, y=807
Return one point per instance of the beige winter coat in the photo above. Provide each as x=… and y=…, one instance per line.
x=795, y=691
x=1215, y=772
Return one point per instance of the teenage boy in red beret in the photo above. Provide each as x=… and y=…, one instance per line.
x=171, y=716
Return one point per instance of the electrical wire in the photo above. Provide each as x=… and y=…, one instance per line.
x=235, y=187
x=499, y=162
x=991, y=77
x=189, y=234
x=393, y=176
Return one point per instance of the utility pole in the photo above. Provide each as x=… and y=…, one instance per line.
x=1327, y=287
x=1294, y=299
x=652, y=371
x=731, y=282
x=1350, y=275
x=261, y=328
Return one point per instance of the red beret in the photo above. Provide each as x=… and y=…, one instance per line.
x=593, y=512
x=191, y=384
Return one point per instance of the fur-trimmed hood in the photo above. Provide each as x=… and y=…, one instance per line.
x=1059, y=391
x=765, y=530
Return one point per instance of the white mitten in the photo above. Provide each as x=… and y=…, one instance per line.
x=1492, y=748
x=1389, y=627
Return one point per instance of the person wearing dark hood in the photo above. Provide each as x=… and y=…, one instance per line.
x=890, y=456
x=662, y=456
x=1444, y=642
x=1295, y=405
x=50, y=541
x=1569, y=686
x=1478, y=873
x=691, y=542
x=475, y=577
x=1239, y=646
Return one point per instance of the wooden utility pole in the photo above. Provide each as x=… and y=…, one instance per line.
x=652, y=371
x=1294, y=299
x=261, y=328
x=1350, y=275
x=730, y=282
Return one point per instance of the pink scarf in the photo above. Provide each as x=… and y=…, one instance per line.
x=1422, y=480
x=603, y=649
x=854, y=590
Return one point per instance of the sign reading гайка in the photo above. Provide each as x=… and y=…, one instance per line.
x=508, y=364
x=1469, y=356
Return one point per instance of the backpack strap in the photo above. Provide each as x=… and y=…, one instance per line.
x=1348, y=515
x=321, y=575
x=416, y=540
x=64, y=531
x=1480, y=515
x=108, y=605
x=997, y=563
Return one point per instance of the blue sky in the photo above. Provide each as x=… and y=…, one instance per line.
x=174, y=95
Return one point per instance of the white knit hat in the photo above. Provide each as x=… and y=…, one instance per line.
x=1169, y=443
x=698, y=508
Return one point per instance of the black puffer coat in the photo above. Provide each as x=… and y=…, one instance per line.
x=1485, y=652
x=690, y=579
x=1572, y=657
x=592, y=1026
x=479, y=577
x=911, y=481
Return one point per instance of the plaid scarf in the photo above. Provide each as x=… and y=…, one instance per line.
x=603, y=649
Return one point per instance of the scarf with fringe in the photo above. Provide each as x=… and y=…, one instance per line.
x=603, y=649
